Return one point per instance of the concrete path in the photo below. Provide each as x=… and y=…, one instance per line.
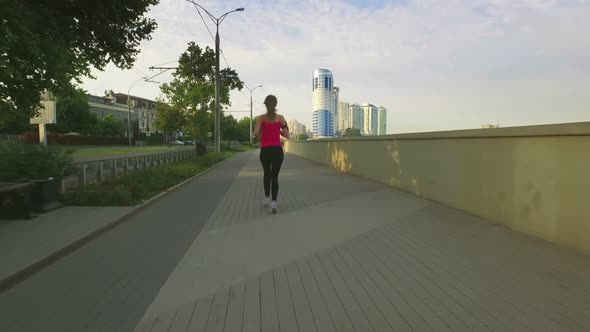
x=108, y=284
x=25, y=242
x=346, y=254
x=343, y=254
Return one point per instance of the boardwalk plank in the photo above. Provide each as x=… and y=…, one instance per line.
x=305, y=321
x=340, y=317
x=285, y=310
x=358, y=291
x=391, y=314
x=252, y=306
x=216, y=321
x=200, y=316
x=353, y=308
x=235, y=310
x=268, y=306
x=183, y=318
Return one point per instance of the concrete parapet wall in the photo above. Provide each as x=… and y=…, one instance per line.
x=533, y=179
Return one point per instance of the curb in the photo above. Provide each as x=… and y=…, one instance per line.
x=24, y=273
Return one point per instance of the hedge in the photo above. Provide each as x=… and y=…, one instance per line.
x=62, y=139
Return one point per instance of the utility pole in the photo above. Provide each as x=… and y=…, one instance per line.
x=217, y=21
x=251, y=107
x=217, y=140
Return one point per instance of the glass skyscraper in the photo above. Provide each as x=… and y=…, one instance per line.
x=382, y=121
x=356, y=117
x=323, y=99
x=371, y=120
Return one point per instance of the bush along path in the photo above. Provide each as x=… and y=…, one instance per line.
x=133, y=188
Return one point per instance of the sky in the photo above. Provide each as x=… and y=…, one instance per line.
x=434, y=64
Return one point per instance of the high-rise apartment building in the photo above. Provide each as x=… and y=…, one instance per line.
x=371, y=120
x=356, y=117
x=323, y=103
x=296, y=128
x=382, y=120
x=343, y=115
x=336, y=92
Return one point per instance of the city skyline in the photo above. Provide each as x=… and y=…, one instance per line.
x=507, y=63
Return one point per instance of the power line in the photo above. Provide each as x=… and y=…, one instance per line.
x=211, y=33
x=166, y=63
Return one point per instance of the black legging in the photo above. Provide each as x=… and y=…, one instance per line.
x=271, y=158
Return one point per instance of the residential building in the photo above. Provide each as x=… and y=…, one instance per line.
x=343, y=116
x=381, y=120
x=323, y=124
x=371, y=120
x=296, y=128
x=356, y=117
x=103, y=106
x=323, y=103
x=336, y=92
x=143, y=107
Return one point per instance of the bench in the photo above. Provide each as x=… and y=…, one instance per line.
x=15, y=200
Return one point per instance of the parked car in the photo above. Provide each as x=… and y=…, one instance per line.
x=188, y=143
x=177, y=142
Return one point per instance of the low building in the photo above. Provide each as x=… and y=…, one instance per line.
x=296, y=128
x=142, y=112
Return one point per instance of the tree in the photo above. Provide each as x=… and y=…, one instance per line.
x=109, y=126
x=192, y=90
x=169, y=119
x=73, y=113
x=50, y=44
x=302, y=137
x=350, y=132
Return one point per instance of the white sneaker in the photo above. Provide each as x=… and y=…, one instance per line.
x=266, y=201
x=273, y=207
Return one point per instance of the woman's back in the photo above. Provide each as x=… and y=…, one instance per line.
x=271, y=132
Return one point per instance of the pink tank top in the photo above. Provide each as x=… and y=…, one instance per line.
x=271, y=134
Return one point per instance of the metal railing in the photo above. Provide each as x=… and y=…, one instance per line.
x=97, y=169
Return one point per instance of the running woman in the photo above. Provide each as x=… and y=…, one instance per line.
x=269, y=129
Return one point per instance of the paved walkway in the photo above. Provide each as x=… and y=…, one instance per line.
x=25, y=242
x=345, y=254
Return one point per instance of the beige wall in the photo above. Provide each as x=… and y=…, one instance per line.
x=533, y=179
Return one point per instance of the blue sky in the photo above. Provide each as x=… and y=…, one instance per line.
x=435, y=65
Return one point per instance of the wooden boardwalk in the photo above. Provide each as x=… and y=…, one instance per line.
x=436, y=269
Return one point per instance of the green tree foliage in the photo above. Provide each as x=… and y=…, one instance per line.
x=109, y=126
x=50, y=44
x=302, y=137
x=192, y=91
x=73, y=114
x=169, y=119
x=351, y=132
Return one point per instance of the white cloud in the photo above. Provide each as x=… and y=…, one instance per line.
x=434, y=64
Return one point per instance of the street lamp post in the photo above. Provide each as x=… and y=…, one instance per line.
x=251, y=106
x=217, y=21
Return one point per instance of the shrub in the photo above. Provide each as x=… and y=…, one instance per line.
x=33, y=162
x=134, y=187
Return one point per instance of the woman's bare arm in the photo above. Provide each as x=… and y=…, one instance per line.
x=256, y=130
x=284, y=128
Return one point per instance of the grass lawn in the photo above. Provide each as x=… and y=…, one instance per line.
x=133, y=188
x=95, y=151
